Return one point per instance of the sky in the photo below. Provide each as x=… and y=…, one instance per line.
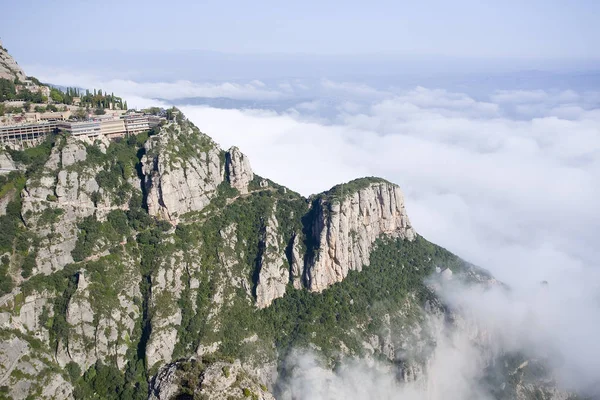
x=487, y=114
x=459, y=28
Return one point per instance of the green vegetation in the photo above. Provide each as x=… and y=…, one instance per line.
x=101, y=382
x=34, y=158
x=8, y=91
x=300, y=317
x=89, y=99
x=99, y=100
x=6, y=283
x=341, y=191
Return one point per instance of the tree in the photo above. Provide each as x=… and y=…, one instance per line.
x=1, y=109
x=7, y=89
x=27, y=106
x=80, y=114
x=99, y=111
x=125, y=106
x=56, y=95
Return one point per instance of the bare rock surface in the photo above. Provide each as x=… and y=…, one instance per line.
x=239, y=171
x=178, y=181
x=347, y=228
x=273, y=274
x=9, y=69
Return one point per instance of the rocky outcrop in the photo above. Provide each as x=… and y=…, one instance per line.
x=347, y=225
x=182, y=170
x=9, y=69
x=297, y=263
x=100, y=326
x=74, y=151
x=239, y=171
x=273, y=274
x=167, y=287
x=41, y=381
x=219, y=381
x=80, y=316
x=6, y=163
x=57, y=199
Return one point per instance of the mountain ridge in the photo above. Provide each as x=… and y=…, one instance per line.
x=160, y=266
x=217, y=267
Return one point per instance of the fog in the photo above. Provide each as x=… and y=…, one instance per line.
x=505, y=178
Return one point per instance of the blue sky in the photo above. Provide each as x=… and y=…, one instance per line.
x=460, y=28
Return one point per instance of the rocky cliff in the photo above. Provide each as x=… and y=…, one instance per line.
x=160, y=266
x=182, y=172
x=9, y=69
x=348, y=222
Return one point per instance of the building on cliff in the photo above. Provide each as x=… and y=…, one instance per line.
x=111, y=127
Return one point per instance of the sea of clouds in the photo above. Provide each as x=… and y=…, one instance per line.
x=507, y=179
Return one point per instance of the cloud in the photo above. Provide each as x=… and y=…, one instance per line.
x=366, y=378
x=130, y=89
x=559, y=324
x=355, y=89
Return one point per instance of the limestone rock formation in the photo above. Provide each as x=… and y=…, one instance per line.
x=239, y=171
x=182, y=170
x=219, y=381
x=297, y=263
x=98, y=332
x=16, y=361
x=73, y=151
x=55, y=200
x=167, y=287
x=9, y=69
x=6, y=163
x=347, y=227
x=273, y=274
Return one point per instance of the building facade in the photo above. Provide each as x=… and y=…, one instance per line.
x=111, y=127
x=26, y=133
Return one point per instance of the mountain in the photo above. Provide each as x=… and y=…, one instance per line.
x=9, y=69
x=162, y=267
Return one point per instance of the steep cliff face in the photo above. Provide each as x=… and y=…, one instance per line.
x=347, y=223
x=273, y=273
x=9, y=69
x=182, y=170
x=167, y=287
x=239, y=171
x=101, y=326
x=55, y=199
